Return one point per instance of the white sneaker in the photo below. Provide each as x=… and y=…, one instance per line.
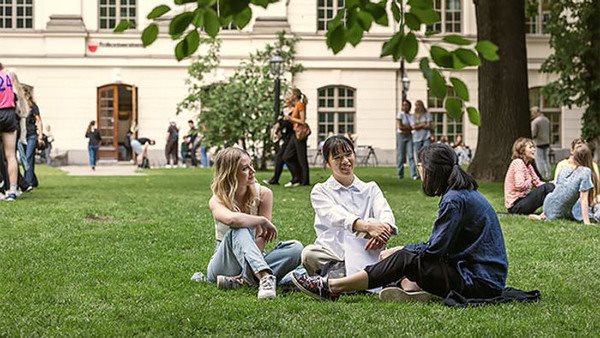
x=267, y=287
x=291, y=185
x=198, y=277
x=168, y=166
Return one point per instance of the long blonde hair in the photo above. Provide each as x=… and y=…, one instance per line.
x=299, y=96
x=420, y=109
x=22, y=103
x=224, y=185
x=582, y=156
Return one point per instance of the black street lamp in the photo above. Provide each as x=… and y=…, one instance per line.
x=275, y=66
x=405, y=80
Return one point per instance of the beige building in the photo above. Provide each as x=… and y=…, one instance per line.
x=81, y=71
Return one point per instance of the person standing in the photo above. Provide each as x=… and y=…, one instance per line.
x=8, y=131
x=94, y=137
x=295, y=154
x=48, y=139
x=540, y=133
x=34, y=136
x=404, y=144
x=192, y=142
x=421, y=128
x=171, y=146
x=287, y=132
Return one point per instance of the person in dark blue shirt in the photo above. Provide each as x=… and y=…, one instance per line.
x=465, y=253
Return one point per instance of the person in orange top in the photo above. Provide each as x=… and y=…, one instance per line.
x=524, y=192
x=295, y=154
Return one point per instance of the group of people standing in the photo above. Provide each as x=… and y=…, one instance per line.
x=413, y=132
x=353, y=223
x=22, y=134
x=292, y=142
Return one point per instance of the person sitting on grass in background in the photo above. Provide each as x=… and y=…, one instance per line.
x=242, y=212
x=572, y=183
x=465, y=253
x=524, y=192
x=353, y=220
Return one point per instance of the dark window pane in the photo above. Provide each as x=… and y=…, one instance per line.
x=330, y=103
x=350, y=103
x=29, y=11
x=342, y=103
x=350, y=93
x=330, y=91
x=112, y=11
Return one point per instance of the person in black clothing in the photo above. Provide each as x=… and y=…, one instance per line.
x=34, y=136
x=140, y=148
x=171, y=146
x=192, y=142
x=295, y=153
x=286, y=130
x=93, y=135
x=127, y=145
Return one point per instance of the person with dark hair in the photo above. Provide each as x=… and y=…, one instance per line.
x=524, y=192
x=404, y=143
x=295, y=154
x=465, y=253
x=94, y=137
x=8, y=131
x=287, y=132
x=353, y=220
x=140, y=149
x=172, y=137
x=34, y=136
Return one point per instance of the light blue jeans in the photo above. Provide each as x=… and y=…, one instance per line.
x=404, y=149
x=93, y=152
x=238, y=254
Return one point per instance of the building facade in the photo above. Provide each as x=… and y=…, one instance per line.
x=81, y=71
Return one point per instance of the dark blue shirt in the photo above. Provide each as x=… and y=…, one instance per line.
x=467, y=235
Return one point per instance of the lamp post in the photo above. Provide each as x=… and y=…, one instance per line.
x=405, y=80
x=275, y=67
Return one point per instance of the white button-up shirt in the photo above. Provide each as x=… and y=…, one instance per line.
x=337, y=208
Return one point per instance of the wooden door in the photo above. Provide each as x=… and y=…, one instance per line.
x=108, y=103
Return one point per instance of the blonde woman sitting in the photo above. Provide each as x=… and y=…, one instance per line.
x=242, y=212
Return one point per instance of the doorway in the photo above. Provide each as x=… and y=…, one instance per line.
x=116, y=114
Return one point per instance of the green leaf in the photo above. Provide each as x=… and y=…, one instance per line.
x=456, y=40
x=441, y=57
x=181, y=2
x=206, y=3
x=351, y=3
x=456, y=63
x=409, y=47
x=188, y=45
x=198, y=20
x=467, y=56
x=427, y=16
x=437, y=84
x=158, y=11
x=180, y=23
x=211, y=22
x=425, y=69
x=460, y=89
x=453, y=107
x=378, y=12
x=396, y=12
x=243, y=18
x=474, y=116
x=487, y=50
x=393, y=44
x=123, y=26
x=354, y=35
x=421, y=4
x=262, y=3
x=364, y=20
x=149, y=34
x=412, y=21
x=336, y=38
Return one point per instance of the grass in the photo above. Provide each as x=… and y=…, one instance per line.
x=113, y=256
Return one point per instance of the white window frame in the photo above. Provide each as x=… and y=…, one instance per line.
x=441, y=6
x=118, y=16
x=436, y=108
x=536, y=25
x=15, y=5
x=336, y=110
x=324, y=6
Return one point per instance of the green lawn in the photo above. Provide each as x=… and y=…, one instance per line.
x=113, y=256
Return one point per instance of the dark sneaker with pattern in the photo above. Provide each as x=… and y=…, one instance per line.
x=316, y=287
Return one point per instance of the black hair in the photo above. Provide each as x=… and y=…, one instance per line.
x=442, y=172
x=409, y=104
x=191, y=121
x=335, y=145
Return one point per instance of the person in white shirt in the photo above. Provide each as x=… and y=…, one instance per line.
x=353, y=220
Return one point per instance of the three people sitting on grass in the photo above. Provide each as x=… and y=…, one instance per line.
x=353, y=220
x=242, y=212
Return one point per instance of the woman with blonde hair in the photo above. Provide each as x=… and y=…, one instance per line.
x=295, y=154
x=421, y=125
x=242, y=212
x=524, y=192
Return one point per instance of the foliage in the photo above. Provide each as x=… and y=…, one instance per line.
x=574, y=28
x=89, y=256
x=347, y=27
x=239, y=109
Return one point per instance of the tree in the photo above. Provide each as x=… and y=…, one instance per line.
x=503, y=89
x=238, y=110
x=574, y=28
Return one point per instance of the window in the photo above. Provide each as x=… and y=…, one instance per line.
x=442, y=123
x=337, y=112
x=227, y=27
x=451, y=17
x=536, y=20
x=16, y=14
x=327, y=10
x=551, y=110
x=113, y=11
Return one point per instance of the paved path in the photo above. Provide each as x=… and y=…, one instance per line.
x=108, y=170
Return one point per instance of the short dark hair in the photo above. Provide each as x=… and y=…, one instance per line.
x=409, y=104
x=442, y=172
x=335, y=145
x=191, y=121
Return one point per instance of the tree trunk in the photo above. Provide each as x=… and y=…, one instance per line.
x=503, y=89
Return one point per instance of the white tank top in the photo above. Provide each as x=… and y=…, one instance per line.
x=221, y=229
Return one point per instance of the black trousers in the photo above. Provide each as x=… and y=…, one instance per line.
x=432, y=275
x=295, y=157
x=279, y=162
x=535, y=199
x=171, y=152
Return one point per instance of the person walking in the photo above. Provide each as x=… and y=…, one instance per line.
x=94, y=137
x=295, y=154
x=34, y=136
x=404, y=144
x=287, y=132
x=48, y=139
x=171, y=146
x=540, y=133
x=8, y=131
